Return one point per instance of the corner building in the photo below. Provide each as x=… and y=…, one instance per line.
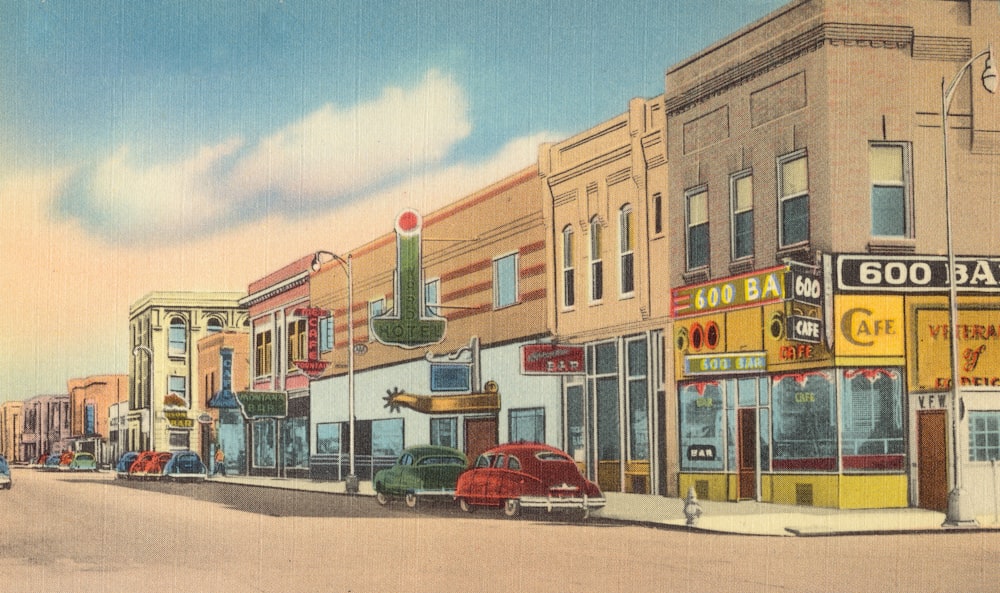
x=809, y=281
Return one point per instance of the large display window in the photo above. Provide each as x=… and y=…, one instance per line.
x=702, y=443
x=872, y=436
x=804, y=426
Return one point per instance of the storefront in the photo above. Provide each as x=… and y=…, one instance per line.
x=765, y=410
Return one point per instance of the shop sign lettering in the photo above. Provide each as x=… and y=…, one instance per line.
x=178, y=419
x=861, y=327
x=977, y=337
x=758, y=288
x=915, y=273
x=718, y=364
x=551, y=359
x=701, y=453
x=263, y=404
x=804, y=329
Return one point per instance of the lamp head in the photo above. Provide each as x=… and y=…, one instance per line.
x=315, y=265
x=990, y=72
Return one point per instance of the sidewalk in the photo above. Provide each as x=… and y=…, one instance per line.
x=746, y=517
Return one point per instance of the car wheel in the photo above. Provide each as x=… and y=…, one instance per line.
x=512, y=507
x=411, y=500
x=465, y=506
x=382, y=498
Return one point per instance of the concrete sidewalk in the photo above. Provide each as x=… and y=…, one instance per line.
x=746, y=517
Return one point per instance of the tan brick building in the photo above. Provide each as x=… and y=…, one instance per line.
x=815, y=135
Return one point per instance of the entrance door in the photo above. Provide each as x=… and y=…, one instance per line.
x=480, y=435
x=932, y=460
x=748, y=453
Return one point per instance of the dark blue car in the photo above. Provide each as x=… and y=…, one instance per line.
x=5, y=482
x=124, y=463
x=185, y=466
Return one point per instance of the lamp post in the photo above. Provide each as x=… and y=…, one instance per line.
x=152, y=383
x=959, y=513
x=351, y=483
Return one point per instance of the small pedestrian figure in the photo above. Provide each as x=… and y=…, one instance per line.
x=220, y=461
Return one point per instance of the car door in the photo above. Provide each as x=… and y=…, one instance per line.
x=395, y=483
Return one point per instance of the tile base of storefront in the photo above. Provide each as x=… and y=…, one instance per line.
x=875, y=491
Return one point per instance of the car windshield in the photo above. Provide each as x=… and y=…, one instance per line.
x=484, y=461
x=441, y=460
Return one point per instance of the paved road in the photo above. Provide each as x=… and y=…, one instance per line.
x=89, y=533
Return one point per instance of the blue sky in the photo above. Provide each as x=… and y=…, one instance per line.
x=180, y=131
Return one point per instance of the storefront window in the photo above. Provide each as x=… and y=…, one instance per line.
x=701, y=406
x=638, y=416
x=263, y=443
x=984, y=435
x=873, y=420
x=294, y=436
x=527, y=425
x=387, y=437
x=575, y=423
x=805, y=422
x=328, y=438
x=232, y=439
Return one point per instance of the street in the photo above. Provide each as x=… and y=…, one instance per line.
x=90, y=533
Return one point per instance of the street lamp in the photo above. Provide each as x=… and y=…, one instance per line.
x=351, y=484
x=958, y=512
x=152, y=384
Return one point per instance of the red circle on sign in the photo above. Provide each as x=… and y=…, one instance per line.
x=408, y=221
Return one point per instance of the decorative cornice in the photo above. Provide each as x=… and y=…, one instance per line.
x=272, y=291
x=845, y=34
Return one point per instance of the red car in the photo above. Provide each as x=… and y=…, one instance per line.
x=527, y=475
x=149, y=465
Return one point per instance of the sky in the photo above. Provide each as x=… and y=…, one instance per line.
x=198, y=146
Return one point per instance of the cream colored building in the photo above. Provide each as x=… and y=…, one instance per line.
x=163, y=369
x=11, y=427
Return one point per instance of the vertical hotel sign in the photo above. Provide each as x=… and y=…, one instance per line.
x=312, y=366
x=409, y=325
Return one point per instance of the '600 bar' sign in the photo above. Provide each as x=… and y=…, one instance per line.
x=915, y=273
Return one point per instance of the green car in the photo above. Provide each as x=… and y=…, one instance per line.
x=83, y=462
x=424, y=470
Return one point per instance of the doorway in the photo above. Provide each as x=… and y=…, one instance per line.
x=480, y=435
x=748, y=454
x=932, y=460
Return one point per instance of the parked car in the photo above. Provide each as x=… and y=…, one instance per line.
x=426, y=470
x=5, y=481
x=65, y=458
x=40, y=462
x=124, y=463
x=83, y=462
x=185, y=466
x=145, y=462
x=527, y=475
x=52, y=462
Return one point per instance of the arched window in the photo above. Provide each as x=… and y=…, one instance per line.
x=177, y=336
x=568, y=272
x=626, y=248
x=213, y=326
x=596, y=263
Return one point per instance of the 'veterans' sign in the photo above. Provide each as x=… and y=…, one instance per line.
x=409, y=325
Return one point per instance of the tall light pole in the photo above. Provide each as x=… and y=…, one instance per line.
x=351, y=484
x=152, y=384
x=959, y=513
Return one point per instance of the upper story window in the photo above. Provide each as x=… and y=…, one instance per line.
x=793, y=202
x=697, y=228
x=296, y=342
x=432, y=296
x=263, y=353
x=741, y=191
x=177, y=337
x=376, y=308
x=568, y=270
x=596, y=263
x=505, y=281
x=657, y=213
x=213, y=326
x=326, y=333
x=177, y=384
x=890, y=189
x=626, y=248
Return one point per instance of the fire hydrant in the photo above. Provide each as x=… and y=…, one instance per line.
x=692, y=510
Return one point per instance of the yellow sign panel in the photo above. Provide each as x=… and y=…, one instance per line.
x=870, y=325
x=978, y=341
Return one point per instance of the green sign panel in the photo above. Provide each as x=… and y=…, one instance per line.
x=409, y=325
x=263, y=404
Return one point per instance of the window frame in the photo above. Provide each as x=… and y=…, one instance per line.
x=296, y=336
x=906, y=184
x=626, y=251
x=735, y=212
x=175, y=325
x=689, y=263
x=499, y=283
x=372, y=314
x=596, y=261
x=327, y=333
x=781, y=162
x=263, y=353
x=432, y=307
x=568, y=268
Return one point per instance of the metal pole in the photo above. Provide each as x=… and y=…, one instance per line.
x=957, y=514
x=352, y=478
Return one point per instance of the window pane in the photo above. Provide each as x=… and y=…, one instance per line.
x=568, y=248
x=885, y=163
x=698, y=246
x=263, y=442
x=595, y=240
x=794, y=177
x=795, y=220
x=627, y=230
x=607, y=358
x=701, y=407
x=505, y=293
x=743, y=188
x=628, y=273
x=743, y=234
x=574, y=422
x=569, y=290
x=387, y=437
x=805, y=424
x=888, y=210
x=444, y=432
x=527, y=425
x=608, y=448
x=294, y=433
x=697, y=208
x=596, y=281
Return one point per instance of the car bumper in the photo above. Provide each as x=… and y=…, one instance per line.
x=557, y=503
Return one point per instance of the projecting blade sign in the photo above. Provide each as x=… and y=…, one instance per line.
x=409, y=324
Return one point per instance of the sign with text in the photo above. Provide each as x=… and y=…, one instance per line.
x=725, y=364
x=551, y=359
x=756, y=288
x=224, y=397
x=912, y=273
x=312, y=365
x=870, y=325
x=178, y=419
x=977, y=335
x=263, y=404
x=803, y=284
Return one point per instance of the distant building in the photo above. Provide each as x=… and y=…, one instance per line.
x=89, y=399
x=223, y=363
x=46, y=428
x=11, y=427
x=164, y=328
